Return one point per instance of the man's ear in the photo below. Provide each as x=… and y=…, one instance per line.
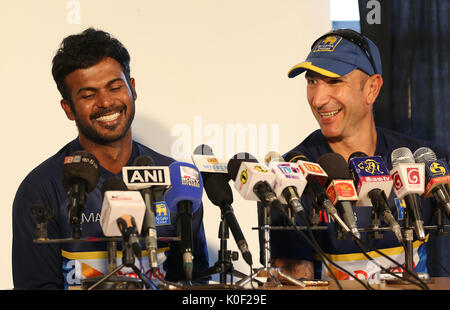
x=65, y=105
x=133, y=88
x=374, y=86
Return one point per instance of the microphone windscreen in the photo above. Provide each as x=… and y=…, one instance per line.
x=203, y=149
x=293, y=156
x=113, y=184
x=357, y=154
x=424, y=155
x=273, y=156
x=217, y=189
x=80, y=165
x=186, y=185
x=335, y=166
x=235, y=163
x=143, y=160
x=402, y=155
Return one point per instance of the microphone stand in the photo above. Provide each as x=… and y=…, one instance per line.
x=267, y=270
x=127, y=261
x=224, y=265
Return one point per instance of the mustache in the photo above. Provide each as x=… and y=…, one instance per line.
x=106, y=111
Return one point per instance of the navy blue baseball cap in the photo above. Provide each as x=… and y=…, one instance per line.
x=339, y=52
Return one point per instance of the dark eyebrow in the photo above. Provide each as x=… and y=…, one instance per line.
x=95, y=89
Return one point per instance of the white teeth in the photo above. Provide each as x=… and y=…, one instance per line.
x=108, y=118
x=329, y=114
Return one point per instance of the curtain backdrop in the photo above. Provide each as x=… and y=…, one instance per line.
x=413, y=38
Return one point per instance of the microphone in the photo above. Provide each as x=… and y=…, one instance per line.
x=184, y=198
x=373, y=185
x=252, y=179
x=148, y=226
x=215, y=182
x=341, y=189
x=289, y=182
x=437, y=174
x=142, y=175
x=408, y=177
x=79, y=176
x=317, y=179
x=122, y=212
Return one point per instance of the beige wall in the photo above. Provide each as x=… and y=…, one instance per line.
x=204, y=70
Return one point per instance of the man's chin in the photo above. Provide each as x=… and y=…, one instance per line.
x=331, y=136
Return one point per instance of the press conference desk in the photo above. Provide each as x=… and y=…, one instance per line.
x=441, y=283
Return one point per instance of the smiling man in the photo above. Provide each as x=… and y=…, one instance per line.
x=92, y=73
x=343, y=74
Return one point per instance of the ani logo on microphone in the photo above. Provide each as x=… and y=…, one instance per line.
x=413, y=175
x=189, y=176
x=397, y=180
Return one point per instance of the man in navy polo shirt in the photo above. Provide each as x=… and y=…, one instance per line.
x=343, y=74
x=92, y=73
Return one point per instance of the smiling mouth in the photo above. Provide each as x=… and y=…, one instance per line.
x=326, y=115
x=108, y=118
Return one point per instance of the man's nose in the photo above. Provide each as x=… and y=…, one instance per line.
x=320, y=95
x=104, y=99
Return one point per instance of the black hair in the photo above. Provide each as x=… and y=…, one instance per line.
x=84, y=50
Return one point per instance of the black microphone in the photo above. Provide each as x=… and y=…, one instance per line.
x=79, y=176
x=317, y=179
x=341, y=189
x=220, y=194
x=148, y=225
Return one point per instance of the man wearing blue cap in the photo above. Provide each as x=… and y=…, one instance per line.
x=343, y=74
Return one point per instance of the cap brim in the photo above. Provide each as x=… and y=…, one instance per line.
x=325, y=67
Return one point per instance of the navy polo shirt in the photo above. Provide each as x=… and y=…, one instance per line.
x=287, y=244
x=64, y=265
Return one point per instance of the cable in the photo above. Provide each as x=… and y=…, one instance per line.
x=359, y=245
x=425, y=286
x=317, y=248
x=442, y=266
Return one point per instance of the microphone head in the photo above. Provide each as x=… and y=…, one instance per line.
x=293, y=156
x=113, y=184
x=424, y=155
x=80, y=165
x=118, y=201
x=203, y=149
x=143, y=160
x=235, y=163
x=335, y=166
x=217, y=189
x=186, y=184
x=402, y=155
x=357, y=154
x=273, y=156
